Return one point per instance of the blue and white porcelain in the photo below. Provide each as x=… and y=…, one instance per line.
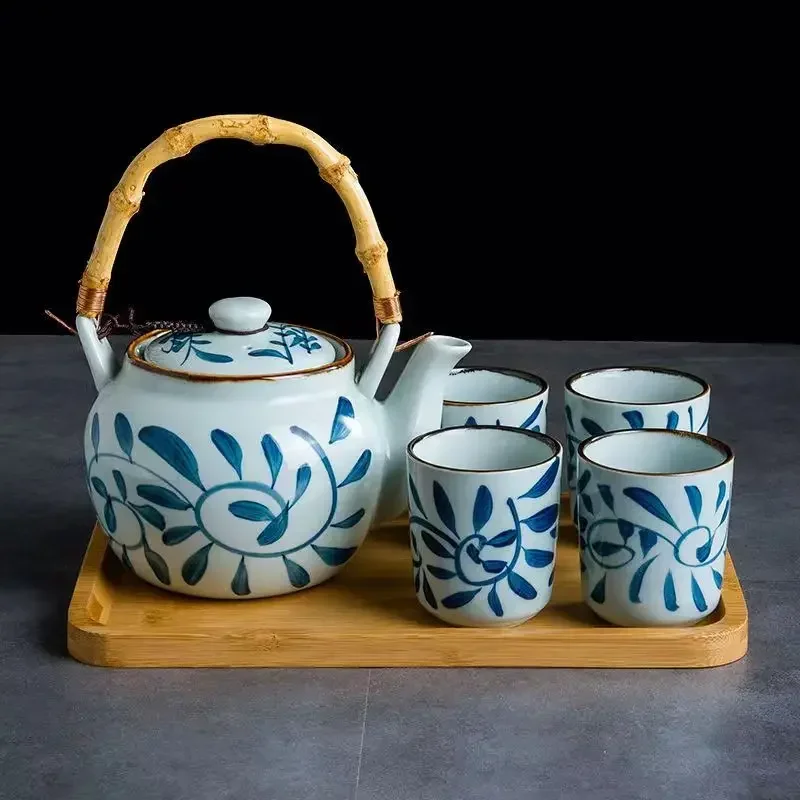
x=251, y=460
x=495, y=396
x=653, y=510
x=484, y=503
x=598, y=401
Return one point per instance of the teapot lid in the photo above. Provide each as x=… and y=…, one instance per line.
x=242, y=342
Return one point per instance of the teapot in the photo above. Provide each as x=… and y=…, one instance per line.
x=250, y=458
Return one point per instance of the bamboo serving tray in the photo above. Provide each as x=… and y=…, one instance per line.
x=368, y=616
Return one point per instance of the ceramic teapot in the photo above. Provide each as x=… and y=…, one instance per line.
x=250, y=459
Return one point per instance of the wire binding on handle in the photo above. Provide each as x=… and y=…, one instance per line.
x=334, y=168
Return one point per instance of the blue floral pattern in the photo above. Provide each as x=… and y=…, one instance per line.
x=480, y=560
x=633, y=419
x=289, y=337
x=157, y=504
x=612, y=542
x=528, y=423
x=192, y=344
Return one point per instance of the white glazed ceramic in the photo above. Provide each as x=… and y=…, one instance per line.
x=484, y=504
x=250, y=460
x=653, y=516
x=628, y=398
x=495, y=396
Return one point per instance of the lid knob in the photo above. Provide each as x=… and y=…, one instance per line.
x=240, y=314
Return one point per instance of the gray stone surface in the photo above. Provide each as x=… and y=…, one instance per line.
x=73, y=731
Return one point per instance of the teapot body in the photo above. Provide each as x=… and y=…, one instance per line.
x=226, y=488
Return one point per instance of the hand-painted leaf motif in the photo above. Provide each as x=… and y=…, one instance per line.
x=544, y=483
x=583, y=481
x=720, y=495
x=415, y=495
x=273, y=455
x=672, y=420
x=298, y=577
x=351, y=521
x=536, y=429
x=151, y=515
x=647, y=540
x=626, y=529
x=459, y=598
x=503, y=539
x=591, y=427
x=725, y=513
x=99, y=487
x=428, y=592
x=534, y=416
x=552, y=576
x=240, y=585
x=697, y=596
x=195, y=566
x=435, y=546
x=178, y=534
x=416, y=580
x=636, y=581
x=268, y=353
x=695, y=501
x=583, y=524
x=95, y=432
x=334, y=556
x=670, y=598
x=482, y=510
x=251, y=510
x=157, y=564
x=606, y=494
x=443, y=507
x=543, y=520
x=201, y=341
x=173, y=450
x=126, y=559
x=441, y=574
x=162, y=496
x=122, y=429
x=216, y=358
x=359, y=469
x=341, y=421
x=274, y=529
x=494, y=602
x=717, y=578
x=538, y=558
x=703, y=424
x=474, y=553
x=599, y=592
x=587, y=503
x=230, y=449
x=520, y=586
x=554, y=532
x=471, y=422
x=314, y=346
x=120, y=481
x=704, y=551
x=568, y=413
x=303, y=478
x=649, y=502
x=635, y=419
x=603, y=548
x=110, y=517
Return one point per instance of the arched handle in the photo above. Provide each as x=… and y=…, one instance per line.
x=333, y=167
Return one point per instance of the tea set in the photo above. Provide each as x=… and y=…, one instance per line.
x=251, y=458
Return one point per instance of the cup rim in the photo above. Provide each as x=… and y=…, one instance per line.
x=530, y=377
x=556, y=449
x=705, y=385
x=717, y=444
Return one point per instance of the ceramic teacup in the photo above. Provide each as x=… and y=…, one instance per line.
x=484, y=503
x=598, y=401
x=653, y=515
x=495, y=396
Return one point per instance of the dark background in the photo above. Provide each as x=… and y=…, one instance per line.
x=575, y=208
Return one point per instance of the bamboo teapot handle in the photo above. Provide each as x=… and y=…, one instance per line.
x=334, y=168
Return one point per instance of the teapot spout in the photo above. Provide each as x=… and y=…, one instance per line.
x=413, y=407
